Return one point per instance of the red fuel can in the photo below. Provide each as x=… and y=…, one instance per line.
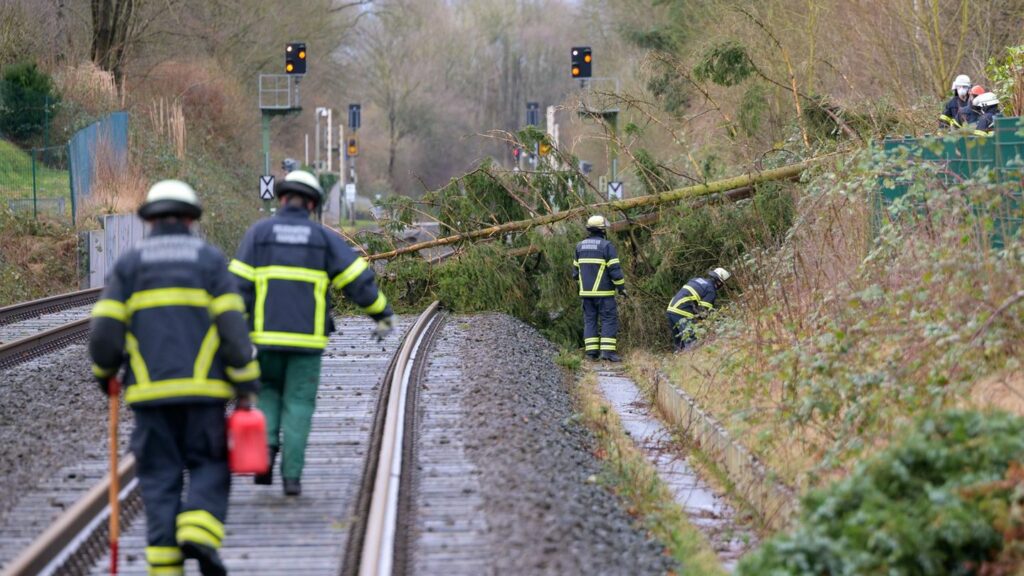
x=247, y=442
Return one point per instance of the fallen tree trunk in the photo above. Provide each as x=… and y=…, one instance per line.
x=727, y=185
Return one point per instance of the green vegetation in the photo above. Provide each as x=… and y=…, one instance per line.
x=37, y=258
x=28, y=99
x=945, y=499
x=16, y=175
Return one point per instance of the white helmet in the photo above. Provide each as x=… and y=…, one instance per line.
x=597, y=222
x=721, y=273
x=986, y=99
x=171, y=198
x=961, y=80
x=303, y=183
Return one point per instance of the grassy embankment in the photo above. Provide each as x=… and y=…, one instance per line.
x=842, y=337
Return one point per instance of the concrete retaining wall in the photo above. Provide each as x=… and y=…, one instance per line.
x=772, y=500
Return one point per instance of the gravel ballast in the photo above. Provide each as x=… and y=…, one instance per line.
x=542, y=510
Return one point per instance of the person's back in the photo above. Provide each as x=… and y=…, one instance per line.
x=172, y=306
x=599, y=276
x=691, y=303
x=988, y=110
x=285, y=267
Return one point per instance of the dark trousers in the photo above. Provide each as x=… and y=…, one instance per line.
x=167, y=441
x=601, y=310
x=682, y=330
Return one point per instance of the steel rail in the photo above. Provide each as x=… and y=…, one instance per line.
x=26, y=310
x=377, y=542
x=78, y=536
x=42, y=342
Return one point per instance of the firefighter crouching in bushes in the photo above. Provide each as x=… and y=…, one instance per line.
x=171, y=304
x=285, y=266
x=694, y=301
x=597, y=271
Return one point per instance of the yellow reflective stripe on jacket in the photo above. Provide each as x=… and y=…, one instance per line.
x=949, y=120
x=177, y=388
x=250, y=371
x=160, y=297
x=264, y=274
x=357, y=267
x=289, y=339
x=176, y=570
x=135, y=360
x=242, y=270
x=207, y=352
x=618, y=282
x=226, y=303
x=378, y=305
x=613, y=261
x=674, y=307
x=108, y=308
x=100, y=372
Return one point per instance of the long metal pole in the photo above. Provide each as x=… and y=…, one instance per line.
x=35, y=212
x=266, y=143
x=330, y=133
x=316, y=141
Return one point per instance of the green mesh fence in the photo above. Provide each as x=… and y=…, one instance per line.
x=35, y=180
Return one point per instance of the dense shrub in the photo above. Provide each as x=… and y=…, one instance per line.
x=27, y=99
x=937, y=502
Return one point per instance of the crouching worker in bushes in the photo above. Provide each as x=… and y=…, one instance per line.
x=694, y=301
x=284, y=267
x=171, y=310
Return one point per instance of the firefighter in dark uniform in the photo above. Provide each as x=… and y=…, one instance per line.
x=170, y=309
x=599, y=276
x=694, y=301
x=957, y=113
x=285, y=266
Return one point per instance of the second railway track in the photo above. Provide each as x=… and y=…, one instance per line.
x=349, y=518
x=31, y=329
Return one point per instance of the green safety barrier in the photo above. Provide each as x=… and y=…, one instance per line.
x=998, y=157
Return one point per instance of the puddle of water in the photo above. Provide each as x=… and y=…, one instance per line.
x=706, y=509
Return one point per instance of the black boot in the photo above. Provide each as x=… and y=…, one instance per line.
x=267, y=478
x=292, y=487
x=210, y=563
x=611, y=357
x=592, y=356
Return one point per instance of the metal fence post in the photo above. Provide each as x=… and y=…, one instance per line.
x=35, y=201
x=71, y=182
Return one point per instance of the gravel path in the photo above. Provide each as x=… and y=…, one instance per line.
x=542, y=509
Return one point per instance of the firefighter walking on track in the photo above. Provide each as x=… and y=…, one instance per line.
x=172, y=306
x=597, y=272
x=285, y=266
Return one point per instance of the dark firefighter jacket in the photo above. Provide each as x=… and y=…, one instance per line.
x=987, y=121
x=285, y=266
x=172, y=305
x=596, y=267
x=959, y=111
x=696, y=297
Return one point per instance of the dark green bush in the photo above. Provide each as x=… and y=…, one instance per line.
x=27, y=98
x=932, y=504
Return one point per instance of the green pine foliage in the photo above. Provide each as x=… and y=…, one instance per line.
x=27, y=98
x=937, y=502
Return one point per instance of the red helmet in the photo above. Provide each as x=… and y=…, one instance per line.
x=977, y=90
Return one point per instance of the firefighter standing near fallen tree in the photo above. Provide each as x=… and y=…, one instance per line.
x=172, y=305
x=285, y=266
x=694, y=301
x=599, y=276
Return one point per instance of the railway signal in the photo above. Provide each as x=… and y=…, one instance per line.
x=532, y=113
x=581, y=59
x=355, y=116
x=295, y=58
x=352, y=150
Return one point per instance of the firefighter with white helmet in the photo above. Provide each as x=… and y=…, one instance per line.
x=957, y=112
x=171, y=313
x=987, y=105
x=694, y=301
x=599, y=277
x=285, y=266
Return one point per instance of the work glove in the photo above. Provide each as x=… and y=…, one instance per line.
x=245, y=402
x=384, y=328
x=622, y=292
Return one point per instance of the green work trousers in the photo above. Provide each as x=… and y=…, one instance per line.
x=287, y=398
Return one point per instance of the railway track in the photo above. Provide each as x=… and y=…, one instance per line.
x=351, y=517
x=31, y=329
